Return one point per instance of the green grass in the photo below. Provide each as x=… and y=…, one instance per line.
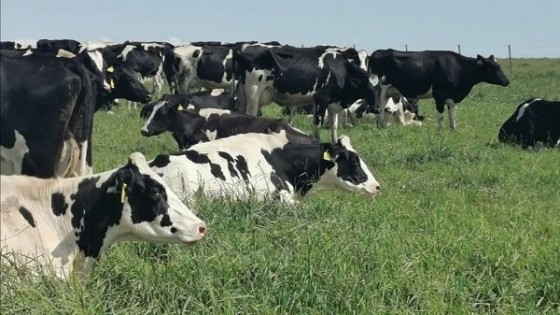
x=463, y=225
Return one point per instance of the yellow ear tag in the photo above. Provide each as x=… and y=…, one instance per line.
x=123, y=193
x=110, y=69
x=112, y=84
x=327, y=156
x=180, y=107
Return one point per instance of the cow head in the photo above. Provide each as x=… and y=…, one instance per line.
x=361, y=85
x=125, y=83
x=346, y=169
x=152, y=211
x=160, y=115
x=490, y=71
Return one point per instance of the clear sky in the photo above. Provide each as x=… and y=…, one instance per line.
x=532, y=28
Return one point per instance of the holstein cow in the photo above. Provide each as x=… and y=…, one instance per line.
x=445, y=75
x=146, y=58
x=263, y=166
x=290, y=76
x=535, y=120
x=47, y=106
x=189, y=127
x=65, y=224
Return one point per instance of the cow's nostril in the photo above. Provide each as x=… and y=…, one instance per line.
x=378, y=188
x=202, y=230
x=144, y=132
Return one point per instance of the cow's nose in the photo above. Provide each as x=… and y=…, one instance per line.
x=144, y=132
x=202, y=231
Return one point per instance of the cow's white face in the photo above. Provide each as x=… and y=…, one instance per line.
x=189, y=55
x=349, y=172
x=156, y=214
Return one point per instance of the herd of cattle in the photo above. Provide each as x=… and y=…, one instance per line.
x=55, y=212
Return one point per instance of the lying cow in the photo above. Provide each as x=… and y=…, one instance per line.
x=263, y=166
x=189, y=127
x=534, y=120
x=53, y=222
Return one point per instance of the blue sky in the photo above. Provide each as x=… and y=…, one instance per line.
x=479, y=26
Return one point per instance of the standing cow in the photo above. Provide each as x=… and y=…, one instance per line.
x=445, y=75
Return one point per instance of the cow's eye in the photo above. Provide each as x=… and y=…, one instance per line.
x=154, y=192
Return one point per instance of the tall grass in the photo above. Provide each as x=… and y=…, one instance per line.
x=462, y=225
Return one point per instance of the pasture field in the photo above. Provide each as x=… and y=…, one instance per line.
x=462, y=225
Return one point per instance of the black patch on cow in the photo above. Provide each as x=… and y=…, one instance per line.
x=200, y=158
x=58, y=204
x=173, y=230
x=148, y=199
x=260, y=77
x=300, y=165
x=98, y=209
x=230, y=160
x=27, y=216
x=196, y=53
x=350, y=169
x=160, y=161
x=166, y=221
x=242, y=167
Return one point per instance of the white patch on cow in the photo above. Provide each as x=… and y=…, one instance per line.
x=216, y=92
x=146, y=46
x=27, y=52
x=211, y=134
x=12, y=158
x=522, y=108
x=364, y=59
x=61, y=53
x=156, y=107
x=373, y=79
x=125, y=51
x=205, y=112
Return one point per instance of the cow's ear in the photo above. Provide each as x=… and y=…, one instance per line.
x=492, y=58
x=479, y=59
x=125, y=176
x=327, y=151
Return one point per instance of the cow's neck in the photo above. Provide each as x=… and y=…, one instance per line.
x=94, y=208
x=303, y=165
x=183, y=124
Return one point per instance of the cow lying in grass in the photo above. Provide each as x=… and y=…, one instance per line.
x=263, y=166
x=534, y=121
x=67, y=223
x=189, y=127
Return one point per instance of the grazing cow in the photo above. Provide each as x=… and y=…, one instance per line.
x=217, y=98
x=444, y=75
x=146, y=58
x=203, y=65
x=189, y=127
x=66, y=223
x=263, y=166
x=16, y=45
x=327, y=77
x=535, y=120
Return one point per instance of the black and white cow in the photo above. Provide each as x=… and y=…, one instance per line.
x=444, y=75
x=189, y=127
x=90, y=56
x=145, y=58
x=16, y=45
x=327, y=77
x=535, y=120
x=47, y=105
x=263, y=166
x=51, y=223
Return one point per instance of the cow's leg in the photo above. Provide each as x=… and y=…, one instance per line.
x=334, y=109
x=440, y=107
x=452, y=111
x=252, y=106
x=291, y=111
x=383, y=98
